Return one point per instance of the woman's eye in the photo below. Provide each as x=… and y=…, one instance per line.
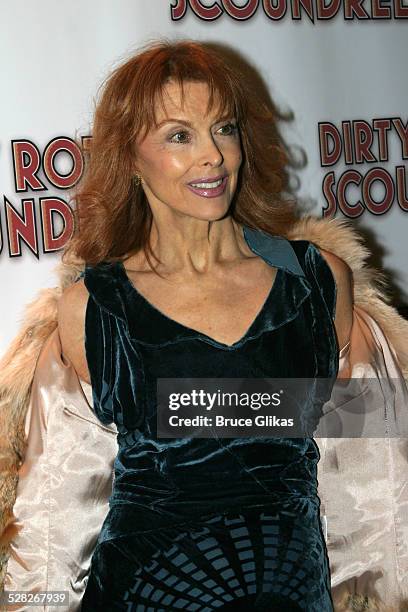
x=231, y=129
x=184, y=137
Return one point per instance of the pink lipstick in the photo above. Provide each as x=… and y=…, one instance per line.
x=202, y=187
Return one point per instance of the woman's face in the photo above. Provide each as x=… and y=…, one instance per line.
x=190, y=162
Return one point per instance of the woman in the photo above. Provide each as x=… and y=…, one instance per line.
x=249, y=511
x=197, y=524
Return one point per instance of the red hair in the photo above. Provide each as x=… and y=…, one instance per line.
x=112, y=215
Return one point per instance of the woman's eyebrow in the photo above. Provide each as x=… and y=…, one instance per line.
x=174, y=120
x=185, y=122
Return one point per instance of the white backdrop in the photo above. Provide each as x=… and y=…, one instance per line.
x=54, y=55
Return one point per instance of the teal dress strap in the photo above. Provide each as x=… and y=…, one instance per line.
x=323, y=275
x=299, y=257
x=322, y=305
x=99, y=339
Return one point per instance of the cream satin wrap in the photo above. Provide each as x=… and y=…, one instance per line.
x=64, y=483
x=66, y=480
x=363, y=482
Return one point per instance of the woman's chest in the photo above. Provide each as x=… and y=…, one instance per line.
x=223, y=312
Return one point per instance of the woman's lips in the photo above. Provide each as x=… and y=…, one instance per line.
x=206, y=192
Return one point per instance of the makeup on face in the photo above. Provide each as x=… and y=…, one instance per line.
x=190, y=158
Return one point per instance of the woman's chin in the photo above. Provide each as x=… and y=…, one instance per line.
x=209, y=211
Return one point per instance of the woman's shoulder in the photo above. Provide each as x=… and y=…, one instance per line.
x=71, y=326
x=72, y=302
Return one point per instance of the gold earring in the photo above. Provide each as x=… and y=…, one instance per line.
x=137, y=179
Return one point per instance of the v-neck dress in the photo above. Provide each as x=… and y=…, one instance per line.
x=210, y=523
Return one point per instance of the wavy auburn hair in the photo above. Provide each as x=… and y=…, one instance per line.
x=112, y=217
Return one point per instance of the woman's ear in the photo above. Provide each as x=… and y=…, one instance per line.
x=136, y=176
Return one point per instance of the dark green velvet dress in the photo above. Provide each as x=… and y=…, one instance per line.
x=210, y=524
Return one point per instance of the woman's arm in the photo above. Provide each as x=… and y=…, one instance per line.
x=71, y=326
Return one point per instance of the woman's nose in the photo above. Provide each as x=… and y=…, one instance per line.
x=210, y=152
